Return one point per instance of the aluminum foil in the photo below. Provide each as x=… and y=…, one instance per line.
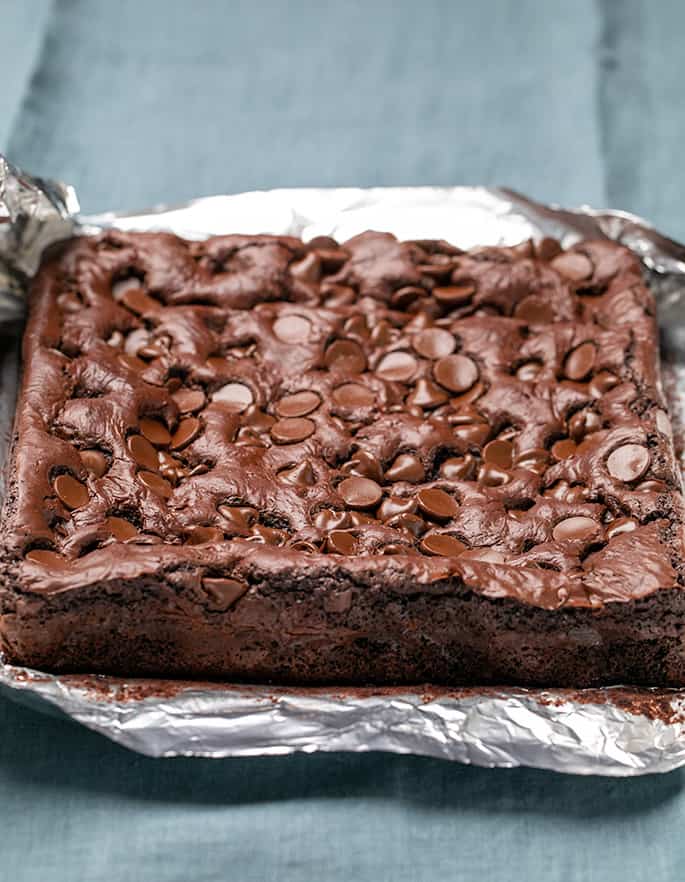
x=615, y=731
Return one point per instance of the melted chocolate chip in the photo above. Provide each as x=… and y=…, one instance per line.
x=156, y=484
x=292, y=329
x=121, y=529
x=454, y=295
x=204, y=535
x=46, y=558
x=95, y=461
x=575, y=528
x=341, y=542
x=345, y=356
x=360, y=492
x=534, y=310
x=292, y=430
x=189, y=400
x=155, y=432
x=406, y=468
x=442, y=544
x=499, y=453
x=437, y=504
x=186, y=432
x=628, y=462
x=580, y=361
x=434, y=343
x=573, y=265
x=563, y=449
x=73, y=493
x=353, y=395
x=298, y=404
x=235, y=397
x=456, y=372
x=398, y=367
x=363, y=464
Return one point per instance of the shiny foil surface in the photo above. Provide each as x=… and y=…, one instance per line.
x=614, y=731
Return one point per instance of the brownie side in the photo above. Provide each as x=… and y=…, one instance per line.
x=378, y=462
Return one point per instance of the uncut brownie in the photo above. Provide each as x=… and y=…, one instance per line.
x=370, y=462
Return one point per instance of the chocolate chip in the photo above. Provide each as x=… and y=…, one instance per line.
x=472, y=433
x=426, y=394
x=186, y=432
x=469, y=396
x=621, y=525
x=603, y=382
x=238, y=517
x=628, y=462
x=360, y=492
x=305, y=546
x=546, y=248
x=356, y=326
x=73, y=493
x=580, y=361
x=458, y=468
x=442, y=545
x=292, y=328
x=499, y=453
x=331, y=519
x=155, y=432
x=575, y=528
x=121, y=529
x=404, y=297
x=340, y=542
x=189, y=400
x=454, y=295
x=652, y=487
x=346, y=356
x=408, y=522
x=95, y=461
x=156, y=483
x=533, y=460
x=434, y=343
x=573, y=265
x=46, y=558
x=397, y=548
x=131, y=362
x=268, y=535
x=396, y=505
x=534, y=310
x=308, y=269
x=492, y=475
x=204, y=535
x=528, y=371
x=234, y=397
x=293, y=430
x=224, y=593
x=406, y=467
x=563, y=449
x=456, y=372
x=364, y=465
x=397, y=367
x=352, y=395
x=437, y=504
x=298, y=404
x=301, y=475
x=139, y=302
x=582, y=423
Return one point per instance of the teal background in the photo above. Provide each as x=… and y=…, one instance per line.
x=139, y=101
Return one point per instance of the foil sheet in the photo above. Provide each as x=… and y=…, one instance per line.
x=617, y=731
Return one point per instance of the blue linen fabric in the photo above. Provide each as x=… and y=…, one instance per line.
x=142, y=101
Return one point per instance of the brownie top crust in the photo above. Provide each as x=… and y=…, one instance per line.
x=403, y=412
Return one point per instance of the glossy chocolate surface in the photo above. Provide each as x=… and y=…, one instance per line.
x=401, y=413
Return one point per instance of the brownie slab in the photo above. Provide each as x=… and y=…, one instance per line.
x=261, y=459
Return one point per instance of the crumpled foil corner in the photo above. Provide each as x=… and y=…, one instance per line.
x=617, y=731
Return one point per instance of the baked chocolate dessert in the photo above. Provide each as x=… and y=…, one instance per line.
x=261, y=459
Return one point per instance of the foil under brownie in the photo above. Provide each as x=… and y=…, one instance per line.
x=614, y=731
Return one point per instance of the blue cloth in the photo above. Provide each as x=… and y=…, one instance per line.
x=141, y=101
